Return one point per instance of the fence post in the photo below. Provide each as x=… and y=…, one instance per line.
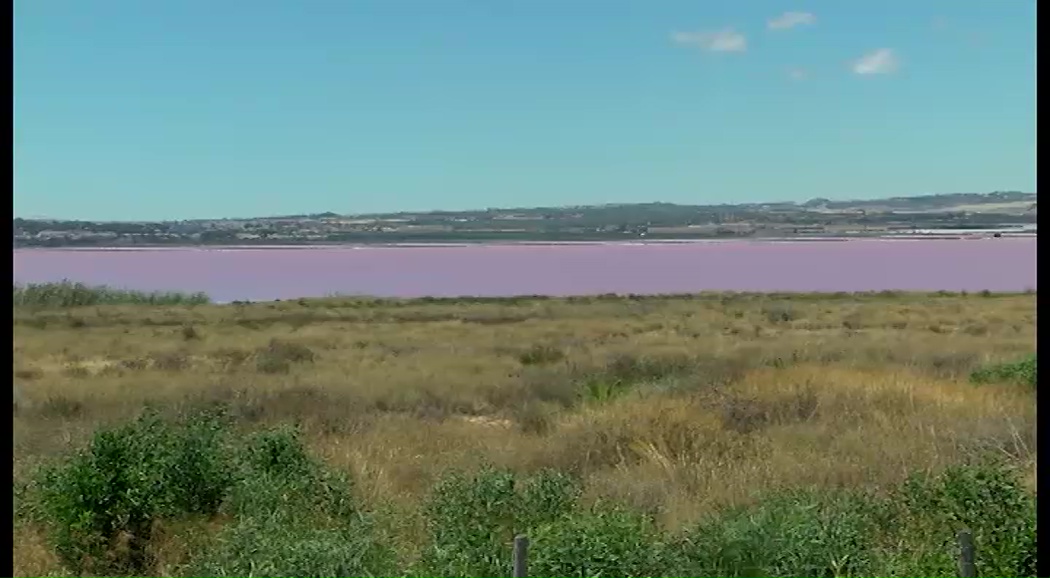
x=521, y=556
x=967, y=568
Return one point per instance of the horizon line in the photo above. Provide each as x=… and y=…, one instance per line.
x=519, y=208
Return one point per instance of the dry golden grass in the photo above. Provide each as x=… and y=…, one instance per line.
x=672, y=405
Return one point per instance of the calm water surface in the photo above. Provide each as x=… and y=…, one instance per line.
x=501, y=270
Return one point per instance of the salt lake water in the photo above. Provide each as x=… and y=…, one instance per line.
x=256, y=274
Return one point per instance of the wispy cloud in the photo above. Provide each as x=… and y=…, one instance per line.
x=881, y=61
x=790, y=20
x=797, y=74
x=725, y=40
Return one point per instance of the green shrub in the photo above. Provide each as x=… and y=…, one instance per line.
x=623, y=372
x=1022, y=372
x=471, y=521
x=277, y=452
x=278, y=480
x=198, y=467
x=292, y=517
x=71, y=294
x=987, y=499
x=604, y=542
x=545, y=497
x=269, y=548
x=790, y=534
x=597, y=390
x=629, y=368
x=100, y=505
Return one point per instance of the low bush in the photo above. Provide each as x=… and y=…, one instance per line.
x=910, y=532
x=70, y=294
x=988, y=499
x=623, y=372
x=1022, y=372
x=602, y=542
x=100, y=505
x=271, y=548
x=278, y=356
x=791, y=534
x=277, y=479
x=540, y=354
x=472, y=520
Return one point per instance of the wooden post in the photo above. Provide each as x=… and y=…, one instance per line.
x=967, y=568
x=521, y=556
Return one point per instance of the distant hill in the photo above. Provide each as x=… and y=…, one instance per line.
x=1011, y=202
x=1008, y=201
x=609, y=222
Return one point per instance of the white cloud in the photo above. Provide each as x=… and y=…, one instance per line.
x=725, y=40
x=797, y=74
x=881, y=61
x=791, y=20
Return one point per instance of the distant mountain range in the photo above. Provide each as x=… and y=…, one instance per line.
x=1008, y=201
x=816, y=217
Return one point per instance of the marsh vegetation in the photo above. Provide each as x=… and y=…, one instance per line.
x=716, y=434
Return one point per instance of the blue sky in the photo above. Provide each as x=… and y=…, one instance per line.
x=173, y=109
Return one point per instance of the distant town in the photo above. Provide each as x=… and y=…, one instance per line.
x=994, y=214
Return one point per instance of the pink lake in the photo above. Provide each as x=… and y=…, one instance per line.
x=227, y=274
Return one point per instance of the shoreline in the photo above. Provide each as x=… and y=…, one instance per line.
x=633, y=242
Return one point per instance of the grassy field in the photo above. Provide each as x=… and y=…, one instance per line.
x=721, y=434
